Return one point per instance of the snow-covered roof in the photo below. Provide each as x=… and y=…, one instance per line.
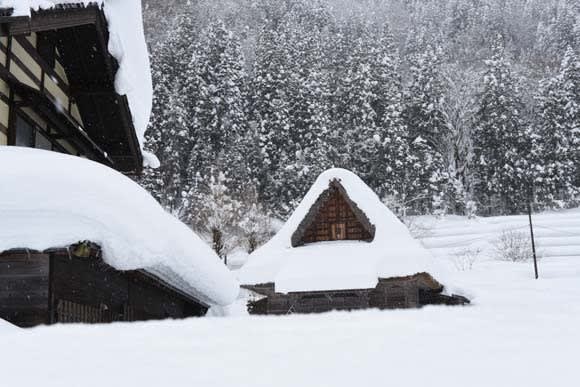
x=52, y=200
x=5, y=326
x=126, y=44
x=339, y=264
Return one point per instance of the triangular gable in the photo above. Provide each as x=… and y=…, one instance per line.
x=334, y=216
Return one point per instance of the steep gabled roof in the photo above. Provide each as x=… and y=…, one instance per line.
x=339, y=264
x=309, y=219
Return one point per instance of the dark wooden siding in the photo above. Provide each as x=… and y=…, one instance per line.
x=395, y=294
x=310, y=302
x=60, y=287
x=390, y=293
x=24, y=287
x=335, y=220
x=88, y=284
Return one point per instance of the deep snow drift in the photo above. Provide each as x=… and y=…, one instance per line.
x=517, y=332
x=6, y=327
x=126, y=44
x=345, y=264
x=521, y=332
x=48, y=199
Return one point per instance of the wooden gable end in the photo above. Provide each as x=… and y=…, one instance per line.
x=333, y=217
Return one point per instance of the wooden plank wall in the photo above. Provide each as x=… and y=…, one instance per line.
x=388, y=294
x=120, y=296
x=24, y=282
x=335, y=214
x=61, y=288
x=87, y=282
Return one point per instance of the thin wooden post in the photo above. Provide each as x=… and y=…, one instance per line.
x=532, y=234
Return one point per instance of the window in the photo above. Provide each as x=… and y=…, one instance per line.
x=24, y=133
x=42, y=142
x=338, y=231
x=31, y=136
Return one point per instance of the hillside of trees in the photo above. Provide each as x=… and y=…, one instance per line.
x=467, y=107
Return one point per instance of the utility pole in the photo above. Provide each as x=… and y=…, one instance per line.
x=530, y=196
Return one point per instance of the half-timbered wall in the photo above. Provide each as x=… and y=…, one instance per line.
x=4, y=96
x=20, y=56
x=335, y=220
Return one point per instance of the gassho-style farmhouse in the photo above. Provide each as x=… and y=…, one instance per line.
x=80, y=242
x=342, y=249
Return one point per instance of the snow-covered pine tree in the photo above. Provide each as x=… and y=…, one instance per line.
x=305, y=155
x=500, y=140
x=174, y=69
x=337, y=45
x=219, y=109
x=428, y=132
x=270, y=114
x=571, y=75
x=358, y=118
x=392, y=162
x=557, y=144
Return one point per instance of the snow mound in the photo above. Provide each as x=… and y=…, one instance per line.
x=48, y=199
x=6, y=327
x=126, y=44
x=345, y=264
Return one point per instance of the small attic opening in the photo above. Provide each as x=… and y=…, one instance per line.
x=333, y=217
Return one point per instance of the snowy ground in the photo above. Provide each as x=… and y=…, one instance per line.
x=518, y=332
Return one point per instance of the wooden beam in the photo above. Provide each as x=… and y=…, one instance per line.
x=30, y=50
x=52, y=19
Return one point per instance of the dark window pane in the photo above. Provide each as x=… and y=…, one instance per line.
x=24, y=133
x=42, y=142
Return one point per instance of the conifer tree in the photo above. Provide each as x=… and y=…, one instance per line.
x=358, y=118
x=305, y=154
x=557, y=142
x=219, y=110
x=501, y=139
x=174, y=70
x=428, y=132
x=392, y=162
x=270, y=113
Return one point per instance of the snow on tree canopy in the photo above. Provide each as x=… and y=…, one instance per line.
x=126, y=44
x=52, y=200
x=339, y=265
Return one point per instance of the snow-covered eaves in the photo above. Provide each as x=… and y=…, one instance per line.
x=340, y=264
x=51, y=200
x=126, y=44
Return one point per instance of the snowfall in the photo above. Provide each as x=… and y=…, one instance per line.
x=518, y=331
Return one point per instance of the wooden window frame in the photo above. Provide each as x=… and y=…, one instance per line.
x=36, y=128
x=338, y=231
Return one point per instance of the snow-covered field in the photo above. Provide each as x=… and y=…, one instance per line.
x=518, y=332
